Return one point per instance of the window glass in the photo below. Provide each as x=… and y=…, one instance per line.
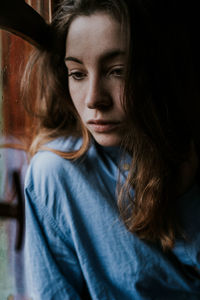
x=14, y=122
x=14, y=52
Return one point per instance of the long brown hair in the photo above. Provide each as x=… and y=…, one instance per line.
x=159, y=80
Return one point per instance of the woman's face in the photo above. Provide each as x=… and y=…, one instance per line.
x=95, y=59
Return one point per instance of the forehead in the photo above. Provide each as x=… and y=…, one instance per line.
x=96, y=33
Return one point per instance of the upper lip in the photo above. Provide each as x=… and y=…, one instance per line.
x=102, y=122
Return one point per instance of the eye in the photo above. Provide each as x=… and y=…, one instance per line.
x=76, y=75
x=117, y=72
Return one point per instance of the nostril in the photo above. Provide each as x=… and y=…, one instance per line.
x=101, y=104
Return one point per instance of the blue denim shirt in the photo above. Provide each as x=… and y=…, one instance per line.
x=76, y=245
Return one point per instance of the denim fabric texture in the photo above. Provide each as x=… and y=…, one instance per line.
x=77, y=247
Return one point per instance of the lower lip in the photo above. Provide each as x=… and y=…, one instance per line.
x=103, y=128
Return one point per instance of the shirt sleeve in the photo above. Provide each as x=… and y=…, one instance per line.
x=52, y=267
x=187, y=250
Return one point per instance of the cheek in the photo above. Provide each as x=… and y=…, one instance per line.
x=72, y=91
x=118, y=95
x=77, y=98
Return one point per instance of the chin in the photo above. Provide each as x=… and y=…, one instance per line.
x=107, y=140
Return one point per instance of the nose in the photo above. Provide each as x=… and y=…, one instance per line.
x=98, y=95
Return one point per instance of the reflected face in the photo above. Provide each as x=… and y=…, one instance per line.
x=95, y=59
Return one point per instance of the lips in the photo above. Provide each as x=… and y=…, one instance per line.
x=103, y=126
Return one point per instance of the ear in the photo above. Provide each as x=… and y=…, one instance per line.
x=21, y=19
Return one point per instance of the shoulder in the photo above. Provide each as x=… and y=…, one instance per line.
x=46, y=162
x=48, y=182
x=58, y=186
x=48, y=171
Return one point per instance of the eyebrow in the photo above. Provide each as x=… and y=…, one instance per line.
x=105, y=57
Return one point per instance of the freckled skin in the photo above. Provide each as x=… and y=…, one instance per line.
x=95, y=59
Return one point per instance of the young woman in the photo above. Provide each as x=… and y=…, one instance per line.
x=112, y=194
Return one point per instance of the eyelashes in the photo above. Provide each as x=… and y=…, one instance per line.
x=116, y=72
x=76, y=75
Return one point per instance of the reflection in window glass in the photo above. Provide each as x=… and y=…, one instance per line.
x=14, y=123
